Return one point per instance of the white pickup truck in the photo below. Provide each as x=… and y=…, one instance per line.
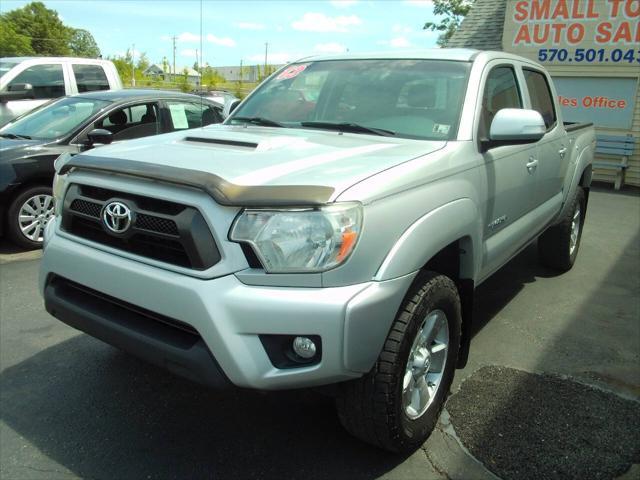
x=28, y=82
x=332, y=231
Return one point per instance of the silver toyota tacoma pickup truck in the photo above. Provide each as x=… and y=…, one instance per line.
x=332, y=231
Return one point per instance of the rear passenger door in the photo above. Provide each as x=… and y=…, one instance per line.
x=182, y=115
x=553, y=150
x=89, y=78
x=511, y=186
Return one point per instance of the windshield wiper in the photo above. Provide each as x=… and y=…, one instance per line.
x=13, y=136
x=265, y=122
x=349, y=127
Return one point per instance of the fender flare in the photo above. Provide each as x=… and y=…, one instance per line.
x=583, y=163
x=457, y=220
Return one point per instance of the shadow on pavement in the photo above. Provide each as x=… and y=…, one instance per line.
x=524, y=426
x=103, y=414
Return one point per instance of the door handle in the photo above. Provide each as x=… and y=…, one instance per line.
x=532, y=164
x=562, y=152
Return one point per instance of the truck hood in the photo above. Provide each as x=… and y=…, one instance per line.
x=262, y=156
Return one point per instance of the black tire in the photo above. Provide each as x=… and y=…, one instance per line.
x=554, y=245
x=13, y=225
x=370, y=408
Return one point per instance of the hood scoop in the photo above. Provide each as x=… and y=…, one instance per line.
x=220, y=141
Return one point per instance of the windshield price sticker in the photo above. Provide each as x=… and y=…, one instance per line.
x=292, y=72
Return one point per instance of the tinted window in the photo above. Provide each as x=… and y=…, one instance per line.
x=56, y=119
x=540, y=95
x=90, y=78
x=6, y=66
x=500, y=91
x=413, y=98
x=192, y=115
x=47, y=80
x=134, y=121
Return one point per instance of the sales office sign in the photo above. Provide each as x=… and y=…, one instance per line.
x=582, y=33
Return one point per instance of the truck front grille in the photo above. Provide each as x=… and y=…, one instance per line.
x=161, y=230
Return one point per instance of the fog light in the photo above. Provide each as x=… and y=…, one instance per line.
x=304, y=347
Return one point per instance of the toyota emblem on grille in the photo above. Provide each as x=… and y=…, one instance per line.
x=116, y=217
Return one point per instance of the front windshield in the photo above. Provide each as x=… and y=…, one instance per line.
x=54, y=120
x=6, y=66
x=408, y=98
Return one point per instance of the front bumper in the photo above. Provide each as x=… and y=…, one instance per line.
x=227, y=316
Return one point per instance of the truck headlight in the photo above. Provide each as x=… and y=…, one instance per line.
x=300, y=240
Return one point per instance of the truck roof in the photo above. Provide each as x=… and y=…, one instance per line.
x=456, y=54
x=451, y=54
x=55, y=59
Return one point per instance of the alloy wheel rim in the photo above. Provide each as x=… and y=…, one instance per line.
x=34, y=215
x=425, y=365
x=575, y=230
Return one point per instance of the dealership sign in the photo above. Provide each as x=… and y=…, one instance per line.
x=574, y=31
x=607, y=102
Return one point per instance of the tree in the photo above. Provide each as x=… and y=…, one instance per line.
x=182, y=81
x=143, y=62
x=13, y=44
x=211, y=78
x=454, y=12
x=46, y=32
x=82, y=44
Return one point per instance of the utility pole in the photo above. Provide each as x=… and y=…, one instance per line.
x=133, y=66
x=266, y=50
x=174, y=57
x=240, y=73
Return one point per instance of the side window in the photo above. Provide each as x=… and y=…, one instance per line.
x=134, y=121
x=500, y=91
x=191, y=115
x=90, y=78
x=540, y=94
x=47, y=80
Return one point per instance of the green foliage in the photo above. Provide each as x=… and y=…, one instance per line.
x=37, y=30
x=82, y=44
x=13, y=44
x=211, y=78
x=454, y=12
x=47, y=34
x=182, y=81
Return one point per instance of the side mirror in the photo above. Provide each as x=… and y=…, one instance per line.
x=230, y=107
x=515, y=126
x=99, y=136
x=18, y=91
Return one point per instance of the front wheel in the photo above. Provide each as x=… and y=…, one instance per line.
x=397, y=404
x=27, y=216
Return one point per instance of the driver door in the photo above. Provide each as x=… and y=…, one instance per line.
x=511, y=185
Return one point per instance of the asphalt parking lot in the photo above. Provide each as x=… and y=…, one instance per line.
x=72, y=407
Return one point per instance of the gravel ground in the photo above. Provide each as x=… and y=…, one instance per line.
x=527, y=426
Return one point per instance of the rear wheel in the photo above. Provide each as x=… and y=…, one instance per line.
x=397, y=404
x=558, y=245
x=28, y=215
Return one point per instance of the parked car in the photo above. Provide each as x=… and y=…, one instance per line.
x=30, y=144
x=27, y=82
x=220, y=96
x=336, y=238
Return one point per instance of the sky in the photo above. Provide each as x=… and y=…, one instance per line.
x=236, y=30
